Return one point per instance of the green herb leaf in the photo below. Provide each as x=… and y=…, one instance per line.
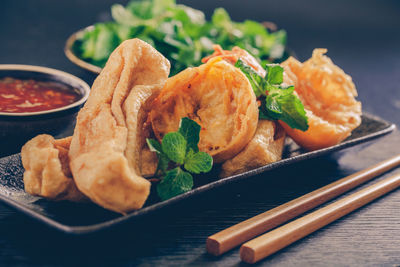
x=256, y=81
x=163, y=160
x=122, y=15
x=154, y=145
x=161, y=6
x=282, y=104
x=196, y=16
x=141, y=9
x=191, y=132
x=182, y=46
x=174, y=146
x=198, y=162
x=278, y=102
x=274, y=74
x=174, y=183
x=100, y=43
x=163, y=163
x=221, y=18
x=180, y=147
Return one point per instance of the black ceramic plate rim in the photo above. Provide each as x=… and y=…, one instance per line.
x=50, y=71
x=79, y=230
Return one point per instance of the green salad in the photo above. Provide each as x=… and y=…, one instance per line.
x=180, y=33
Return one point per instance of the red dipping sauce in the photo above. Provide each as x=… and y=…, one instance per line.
x=19, y=96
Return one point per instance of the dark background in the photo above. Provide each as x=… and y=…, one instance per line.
x=362, y=37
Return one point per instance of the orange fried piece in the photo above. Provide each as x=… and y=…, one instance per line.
x=233, y=55
x=236, y=53
x=219, y=98
x=328, y=95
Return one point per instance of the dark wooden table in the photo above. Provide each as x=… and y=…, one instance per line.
x=363, y=37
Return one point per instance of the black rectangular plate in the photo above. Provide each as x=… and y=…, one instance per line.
x=62, y=215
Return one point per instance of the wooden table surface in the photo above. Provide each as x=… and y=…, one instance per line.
x=362, y=37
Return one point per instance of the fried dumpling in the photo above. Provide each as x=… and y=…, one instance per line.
x=328, y=95
x=47, y=172
x=106, y=146
x=265, y=147
x=219, y=98
x=268, y=142
x=233, y=55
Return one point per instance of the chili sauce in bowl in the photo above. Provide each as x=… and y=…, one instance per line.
x=22, y=96
x=37, y=100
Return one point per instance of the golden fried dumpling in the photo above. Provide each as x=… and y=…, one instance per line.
x=108, y=138
x=219, y=98
x=233, y=55
x=268, y=142
x=265, y=147
x=47, y=172
x=328, y=96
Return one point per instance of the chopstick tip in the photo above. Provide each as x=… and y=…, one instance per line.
x=213, y=246
x=247, y=254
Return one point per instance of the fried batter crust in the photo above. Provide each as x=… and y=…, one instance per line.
x=328, y=95
x=265, y=147
x=219, y=98
x=106, y=146
x=47, y=172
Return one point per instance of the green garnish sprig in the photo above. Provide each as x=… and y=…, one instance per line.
x=179, y=149
x=278, y=102
x=181, y=33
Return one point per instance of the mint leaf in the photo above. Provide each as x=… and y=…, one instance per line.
x=191, y=132
x=284, y=105
x=174, y=183
x=180, y=147
x=273, y=108
x=174, y=146
x=163, y=162
x=256, y=81
x=277, y=102
x=198, y=162
x=274, y=74
x=154, y=145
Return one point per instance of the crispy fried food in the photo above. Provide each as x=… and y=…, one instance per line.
x=328, y=95
x=233, y=55
x=148, y=159
x=47, y=172
x=236, y=53
x=219, y=98
x=106, y=146
x=268, y=142
x=265, y=147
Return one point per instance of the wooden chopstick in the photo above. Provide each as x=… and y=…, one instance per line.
x=233, y=236
x=279, y=238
